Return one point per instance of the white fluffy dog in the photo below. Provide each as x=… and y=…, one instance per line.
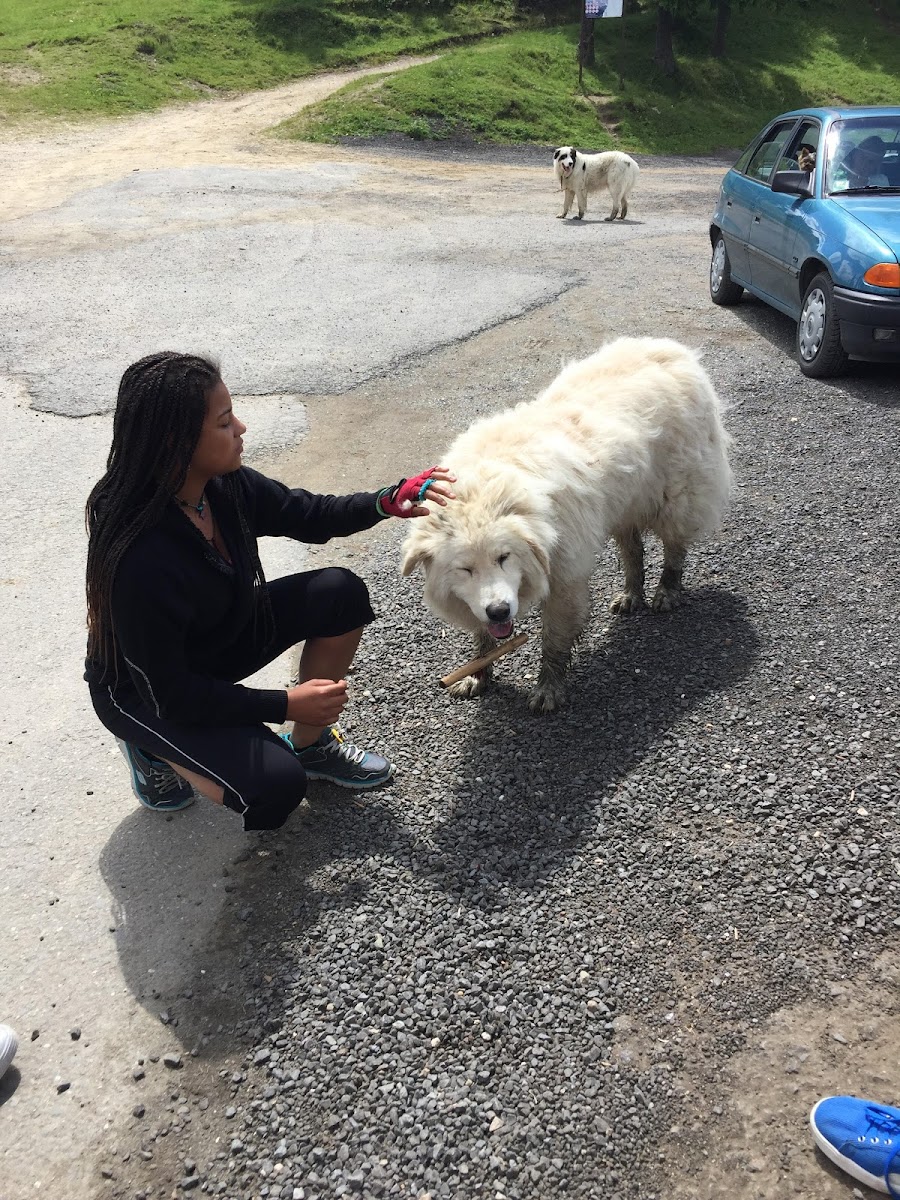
x=580, y=173
x=627, y=440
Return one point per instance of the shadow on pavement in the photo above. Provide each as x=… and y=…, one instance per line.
x=191, y=894
x=876, y=383
x=9, y=1083
x=598, y=220
x=630, y=688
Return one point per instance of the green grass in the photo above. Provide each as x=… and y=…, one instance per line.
x=511, y=89
x=80, y=57
x=523, y=87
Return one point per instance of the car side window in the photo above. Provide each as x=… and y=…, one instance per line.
x=741, y=164
x=802, y=150
x=769, y=151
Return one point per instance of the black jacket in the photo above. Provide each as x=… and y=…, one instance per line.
x=178, y=607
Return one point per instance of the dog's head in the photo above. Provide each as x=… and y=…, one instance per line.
x=564, y=160
x=806, y=157
x=486, y=556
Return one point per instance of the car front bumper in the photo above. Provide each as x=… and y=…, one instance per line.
x=860, y=315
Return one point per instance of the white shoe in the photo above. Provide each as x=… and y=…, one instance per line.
x=9, y=1044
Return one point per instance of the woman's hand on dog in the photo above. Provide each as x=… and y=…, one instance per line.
x=317, y=701
x=406, y=499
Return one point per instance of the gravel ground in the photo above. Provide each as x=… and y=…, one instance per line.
x=524, y=969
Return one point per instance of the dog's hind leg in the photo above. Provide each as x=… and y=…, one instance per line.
x=564, y=614
x=619, y=194
x=474, y=685
x=668, y=594
x=631, y=553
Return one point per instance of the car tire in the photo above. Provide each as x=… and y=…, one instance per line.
x=819, y=350
x=722, y=288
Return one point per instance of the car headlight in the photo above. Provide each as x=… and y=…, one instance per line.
x=884, y=275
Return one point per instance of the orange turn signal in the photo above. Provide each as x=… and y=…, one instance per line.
x=884, y=275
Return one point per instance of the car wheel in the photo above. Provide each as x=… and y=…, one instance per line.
x=722, y=288
x=819, y=348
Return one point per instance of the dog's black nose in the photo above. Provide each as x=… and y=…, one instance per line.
x=497, y=612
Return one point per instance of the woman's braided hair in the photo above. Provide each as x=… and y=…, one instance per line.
x=159, y=415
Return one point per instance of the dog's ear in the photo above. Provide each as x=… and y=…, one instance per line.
x=526, y=522
x=418, y=555
x=556, y=154
x=540, y=554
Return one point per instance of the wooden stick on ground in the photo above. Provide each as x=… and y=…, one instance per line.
x=478, y=664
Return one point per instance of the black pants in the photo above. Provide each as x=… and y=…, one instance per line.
x=260, y=775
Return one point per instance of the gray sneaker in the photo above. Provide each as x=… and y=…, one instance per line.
x=341, y=762
x=9, y=1044
x=154, y=782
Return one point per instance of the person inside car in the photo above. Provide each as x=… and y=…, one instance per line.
x=857, y=165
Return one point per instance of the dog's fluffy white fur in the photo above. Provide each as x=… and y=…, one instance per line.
x=579, y=174
x=627, y=440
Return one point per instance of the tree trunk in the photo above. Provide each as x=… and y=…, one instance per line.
x=664, y=55
x=723, y=16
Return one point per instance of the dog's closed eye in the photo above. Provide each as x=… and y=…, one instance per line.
x=502, y=559
x=468, y=570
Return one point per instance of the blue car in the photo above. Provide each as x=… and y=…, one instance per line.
x=808, y=220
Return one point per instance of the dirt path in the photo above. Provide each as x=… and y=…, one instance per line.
x=39, y=167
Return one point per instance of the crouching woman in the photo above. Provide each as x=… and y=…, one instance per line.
x=179, y=610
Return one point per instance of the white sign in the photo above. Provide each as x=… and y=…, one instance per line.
x=603, y=8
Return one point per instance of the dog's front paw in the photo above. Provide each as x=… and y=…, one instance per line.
x=580, y=216
x=546, y=698
x=560, y=216
x=665, y=599
x=626, y=602
x=472, y=685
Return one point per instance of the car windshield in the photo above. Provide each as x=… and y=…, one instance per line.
x=863, y=156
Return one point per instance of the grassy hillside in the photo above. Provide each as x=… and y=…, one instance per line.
x=524, y=86
x=78, y=57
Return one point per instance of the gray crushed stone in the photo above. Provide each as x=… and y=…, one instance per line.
x=491, y=978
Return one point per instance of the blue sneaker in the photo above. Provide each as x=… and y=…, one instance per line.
x=154, y=782
x=861, y=1138
x=341, y=762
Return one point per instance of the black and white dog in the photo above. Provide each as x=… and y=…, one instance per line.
x=580, y=173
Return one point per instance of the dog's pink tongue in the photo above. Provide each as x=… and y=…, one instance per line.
x=500, y=629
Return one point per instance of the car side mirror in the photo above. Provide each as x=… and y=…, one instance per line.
x=795, y=183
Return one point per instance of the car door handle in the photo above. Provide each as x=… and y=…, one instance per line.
x=756, y=219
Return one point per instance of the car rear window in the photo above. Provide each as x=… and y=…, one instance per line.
x=768, y=152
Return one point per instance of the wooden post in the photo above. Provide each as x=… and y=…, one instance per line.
x=622, y=49
x=582, y=43
x=586, y=54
